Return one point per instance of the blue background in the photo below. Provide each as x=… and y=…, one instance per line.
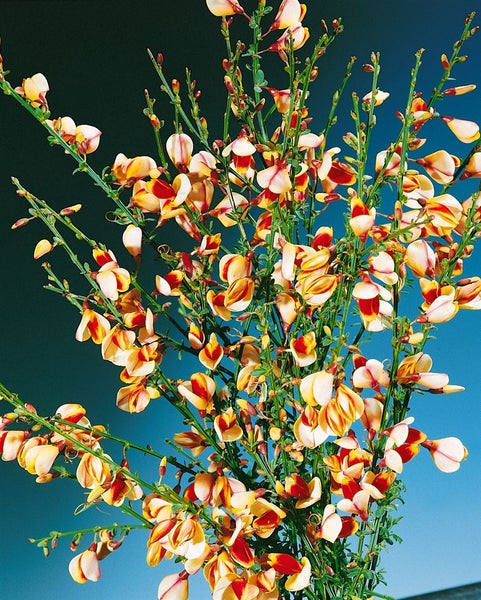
x=93, y=55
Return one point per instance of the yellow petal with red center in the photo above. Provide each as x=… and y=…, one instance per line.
x=445, y=212
x=212, y=353
x=314, y=493
x=92, y=325
x=199, y=390
x=226, y=426
x=299, y=581
x=239, y=294
x=284, y=563
x=71, y=412
x=349, y=526
x=341, y=174
x=296, y=486
x=242, y=553
x=304, y=349
x=332, y=421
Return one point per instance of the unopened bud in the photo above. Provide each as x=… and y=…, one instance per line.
x=20, y=223
x=160, y=59
x=228, y=84
x=175, y=86
x=314, y=74
x=459, y=90
x=74, y=543
x=275, y=433
x=398, y=211
x=155, y=121
x=70, y=210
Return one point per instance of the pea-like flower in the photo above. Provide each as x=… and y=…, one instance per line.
x=34, y=89
x=92, y=326
x=296, y=34
x=303, y=349
x=290, y=12
x=447, y=453
x=179, y=147
x=128, y=170
x=199, y=391
x=299, y=571
x=37, y=456
x=85, y=566
x=212, y=353
x=226, y=426
x=224, y=8
x=466, y=131
x=174, y=587
x=111, y=278
x=416, y=369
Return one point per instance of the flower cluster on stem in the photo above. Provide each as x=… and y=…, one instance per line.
x=298, y=431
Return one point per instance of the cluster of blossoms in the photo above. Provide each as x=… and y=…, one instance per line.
x=306, y=433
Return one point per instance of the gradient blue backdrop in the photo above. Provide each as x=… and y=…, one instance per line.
x=93, y=54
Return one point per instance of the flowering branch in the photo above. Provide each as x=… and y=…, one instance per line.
x=308, y=432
